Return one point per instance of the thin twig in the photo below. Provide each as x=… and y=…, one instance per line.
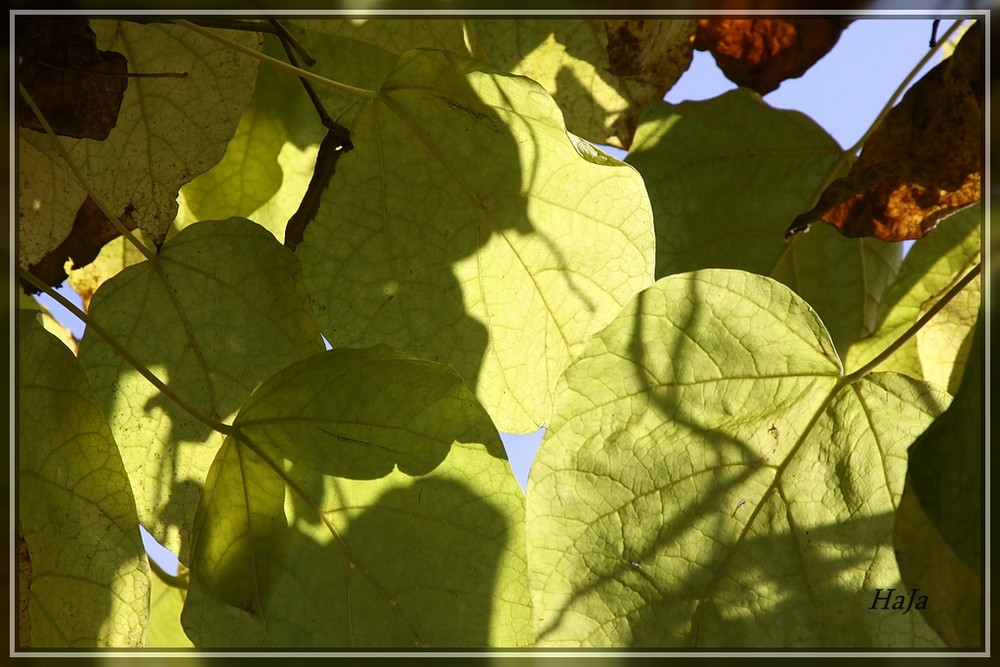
x=297, y=71
x=286, y=37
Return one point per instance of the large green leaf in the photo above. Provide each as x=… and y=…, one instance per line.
x=931, y=267
x=466, y=228
x=569, y=58
x=725, y=178
x=365, y=501
x=168, y=131
x=711, y=480
x=89, y=575
x=222, y=308
x=939, y=527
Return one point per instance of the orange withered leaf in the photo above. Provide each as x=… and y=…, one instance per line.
x=761, y=53
x=922, y=164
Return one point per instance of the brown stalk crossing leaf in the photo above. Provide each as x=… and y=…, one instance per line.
x=922, y=164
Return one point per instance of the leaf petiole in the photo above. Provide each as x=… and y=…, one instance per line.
x=914, y=328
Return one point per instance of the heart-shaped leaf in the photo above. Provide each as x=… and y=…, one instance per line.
x=222, y=309
x=712, y=480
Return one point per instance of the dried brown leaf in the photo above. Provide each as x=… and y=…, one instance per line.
x=761, y=53
x=78, y=88
x=922, y=164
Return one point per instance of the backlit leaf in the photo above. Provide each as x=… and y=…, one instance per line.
x=367, y=501
x=712, y=388
x=723, y=193
x=927, y=272
x=222, y=309
x=939, y=526
x=466, y=228
x=89, y=575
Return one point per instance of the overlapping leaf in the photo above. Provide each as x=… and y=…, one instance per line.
x=169, y=129
x=222, y=309
x=709, y=480
x=278, y=117
x=365, y=501
x=466, y=228
x=939, y=526
x=723, y=193
x=89, y=579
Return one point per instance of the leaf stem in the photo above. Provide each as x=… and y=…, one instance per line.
x=914, y=328
x=213, y=424
x=297, y=71
x=100, y=201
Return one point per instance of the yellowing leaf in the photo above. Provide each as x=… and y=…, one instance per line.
x=602, y=74
x=169, y=130
x=467, y=228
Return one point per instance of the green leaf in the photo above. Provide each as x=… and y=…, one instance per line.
x=939, y=526
x=221, y=309
x=168, y=131
x=278, y=118
x=931, y=267
x=712, y=388
x=165, y=604
x=569, y=58
x=466, y=228
x=366, y=501
x=89, y=575
x=723, y=193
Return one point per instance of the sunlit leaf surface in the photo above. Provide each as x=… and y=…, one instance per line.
x=709, y=480
x=466, y=228
x=222, y=309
